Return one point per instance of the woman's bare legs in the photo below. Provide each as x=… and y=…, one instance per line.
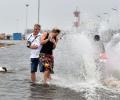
x=46, y=76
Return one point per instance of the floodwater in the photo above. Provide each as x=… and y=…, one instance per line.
x=16, y=84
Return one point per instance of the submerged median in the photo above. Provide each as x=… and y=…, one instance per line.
x=6, y=44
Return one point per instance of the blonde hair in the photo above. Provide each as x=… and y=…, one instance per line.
x=37, y=25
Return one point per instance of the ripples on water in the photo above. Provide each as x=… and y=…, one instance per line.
x=15, y=85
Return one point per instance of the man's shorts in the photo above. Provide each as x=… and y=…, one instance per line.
x=34, y=64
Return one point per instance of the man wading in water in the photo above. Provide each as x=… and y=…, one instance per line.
x=33, y=42
x=48, y=42
x=101, y=56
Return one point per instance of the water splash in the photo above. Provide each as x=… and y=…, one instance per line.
x=75, y=55
x=113, y=63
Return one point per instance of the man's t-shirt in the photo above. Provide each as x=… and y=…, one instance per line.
x=35, y=52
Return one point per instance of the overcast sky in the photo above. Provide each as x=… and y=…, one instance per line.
x=52, y=12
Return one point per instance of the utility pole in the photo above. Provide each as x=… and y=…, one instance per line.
x=27, y=5
x=38, y=11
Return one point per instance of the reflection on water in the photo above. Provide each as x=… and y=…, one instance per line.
x=52, y=92
x=42, y=92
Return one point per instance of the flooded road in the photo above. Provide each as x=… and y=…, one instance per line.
x=16, y=85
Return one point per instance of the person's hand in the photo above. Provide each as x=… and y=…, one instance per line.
x=52, y=40
x=49, y=37
x=103, y=56
x=34, y=46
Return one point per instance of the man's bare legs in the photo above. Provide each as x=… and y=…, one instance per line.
x=33, y=77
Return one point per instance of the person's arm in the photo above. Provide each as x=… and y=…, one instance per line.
x=102, y=47
x=55, y=43
x=33, y=47
x=103, y=54
x=43, y=40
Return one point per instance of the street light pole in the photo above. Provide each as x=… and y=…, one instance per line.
x=38, y=11
x=118, y=12
x=107, y=20
x=27, y=5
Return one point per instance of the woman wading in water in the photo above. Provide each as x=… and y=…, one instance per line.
x=48, y=42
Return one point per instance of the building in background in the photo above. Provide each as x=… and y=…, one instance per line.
x=2, y=36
